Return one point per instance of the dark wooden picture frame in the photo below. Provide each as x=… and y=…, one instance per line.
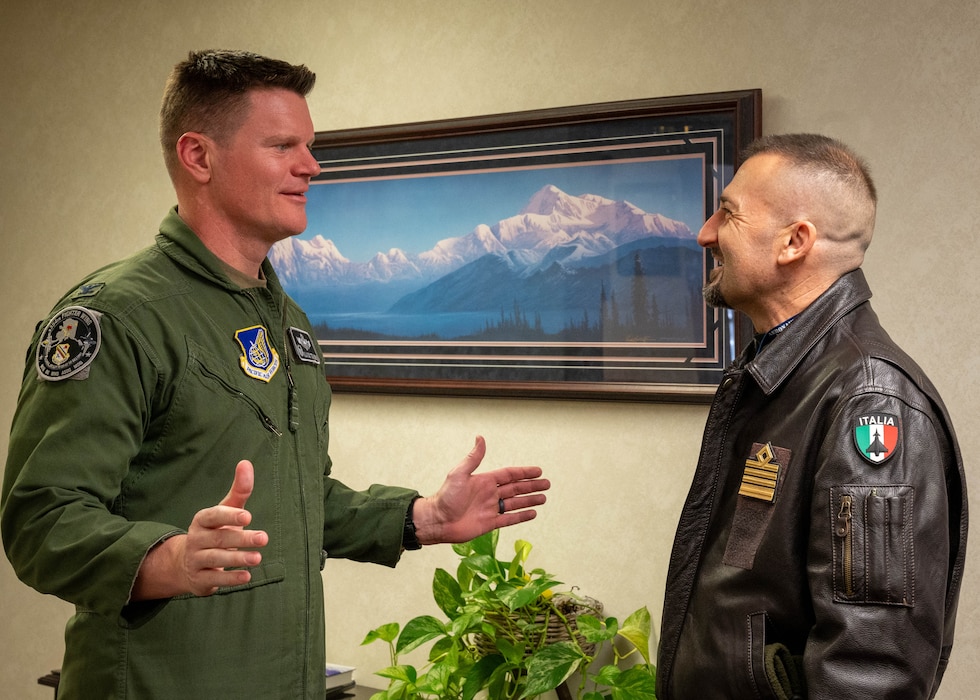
x=455, y=258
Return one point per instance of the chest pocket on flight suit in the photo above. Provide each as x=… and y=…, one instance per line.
x=223, y=418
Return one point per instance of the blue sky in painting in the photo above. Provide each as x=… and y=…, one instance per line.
x=366, y=216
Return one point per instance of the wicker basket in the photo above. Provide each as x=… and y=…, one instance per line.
x=569, y=606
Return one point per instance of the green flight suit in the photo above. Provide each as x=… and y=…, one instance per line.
x=145, y=387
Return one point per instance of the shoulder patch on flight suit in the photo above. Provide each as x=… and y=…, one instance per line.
x=69, y=344
x=876, y=436
x=259, y=359
x=304, y=347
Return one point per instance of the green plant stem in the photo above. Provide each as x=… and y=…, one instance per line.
x=568, y=627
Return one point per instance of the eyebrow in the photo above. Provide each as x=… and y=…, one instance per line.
x=284, y=137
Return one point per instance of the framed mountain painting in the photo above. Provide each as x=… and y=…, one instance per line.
x=550, y=253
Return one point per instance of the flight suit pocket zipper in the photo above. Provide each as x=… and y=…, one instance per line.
x=269, y=424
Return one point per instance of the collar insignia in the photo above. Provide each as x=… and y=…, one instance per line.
x=88, y=290
x=69, y=344
x=761, y=475
x=259, y=359
x=876, y=436
x=304, y=348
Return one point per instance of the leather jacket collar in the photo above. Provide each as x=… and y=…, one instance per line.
x=779, y=360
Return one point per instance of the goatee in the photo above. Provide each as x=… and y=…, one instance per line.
x=713, y=297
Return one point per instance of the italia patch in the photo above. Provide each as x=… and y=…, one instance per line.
x=69, y=344
x=876, y=436
x=304, y=348
x=259, y=359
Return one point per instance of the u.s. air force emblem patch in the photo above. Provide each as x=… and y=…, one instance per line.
x=259, y=359
x=876, y=436
x=69, y=344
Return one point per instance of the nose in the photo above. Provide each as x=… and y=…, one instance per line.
x=708, y=235
x=310, y=165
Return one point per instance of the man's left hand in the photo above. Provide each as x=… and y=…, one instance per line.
x=467, y=505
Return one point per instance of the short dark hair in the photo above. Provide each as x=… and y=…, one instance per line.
x=208, y=93
x=818, y=153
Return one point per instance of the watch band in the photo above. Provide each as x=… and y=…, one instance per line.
x=409, y=539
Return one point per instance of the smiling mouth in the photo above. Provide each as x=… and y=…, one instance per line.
x=716, y=271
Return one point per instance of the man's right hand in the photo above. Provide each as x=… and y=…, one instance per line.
x=216, y=541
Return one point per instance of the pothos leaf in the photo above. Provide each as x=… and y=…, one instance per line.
x=592, y=629
x=551, y=666
x=636, y=630
x=417, y=632
x=636, y=683
x=512, y=652
x=447, y=593
x=406, y=674
x=517, y=597
x=479, y=674
x=466, y=623
x=522, y=549
x=386, y=633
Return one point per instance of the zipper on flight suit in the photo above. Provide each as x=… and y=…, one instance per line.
x=292, y=419
x=845, y=534
x=293, y=425
x=266, y=420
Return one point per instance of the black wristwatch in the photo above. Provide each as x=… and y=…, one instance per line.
x=409, y=539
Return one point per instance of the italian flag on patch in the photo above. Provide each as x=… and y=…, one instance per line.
x=876, y=436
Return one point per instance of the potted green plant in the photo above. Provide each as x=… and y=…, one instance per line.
x=510, y=635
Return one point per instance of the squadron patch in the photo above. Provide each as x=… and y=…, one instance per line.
x=69, y=344
x=304, y=347
x=876, y=436
x=259, y=359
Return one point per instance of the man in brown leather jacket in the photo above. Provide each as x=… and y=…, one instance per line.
x=821, y=548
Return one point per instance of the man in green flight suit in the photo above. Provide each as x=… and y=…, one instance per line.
x=162, y=380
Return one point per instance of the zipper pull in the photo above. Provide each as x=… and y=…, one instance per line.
x=843, y=528
x=271, y=426
x=843, y=531
x=293, y=403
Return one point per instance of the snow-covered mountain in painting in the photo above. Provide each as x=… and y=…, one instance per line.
x=554, y=227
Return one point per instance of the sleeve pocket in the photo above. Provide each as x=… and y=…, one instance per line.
x=873, y=557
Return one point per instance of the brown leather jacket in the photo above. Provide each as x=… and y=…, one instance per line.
x=842, y=558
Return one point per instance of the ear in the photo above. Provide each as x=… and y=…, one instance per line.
x=797, y=241
x=194, y=155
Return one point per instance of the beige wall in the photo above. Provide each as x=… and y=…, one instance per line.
x=81, y=183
